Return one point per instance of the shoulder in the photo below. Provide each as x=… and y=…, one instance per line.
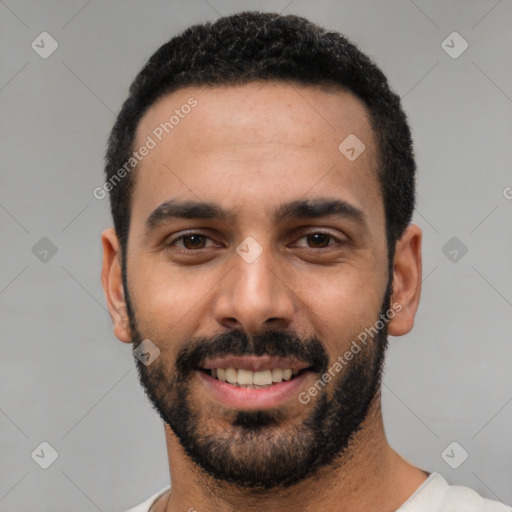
x=459, y=498
x=436, y=495
x=146, y=505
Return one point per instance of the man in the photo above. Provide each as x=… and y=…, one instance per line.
x=261, y=178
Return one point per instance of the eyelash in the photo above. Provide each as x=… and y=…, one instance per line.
x=192, y=233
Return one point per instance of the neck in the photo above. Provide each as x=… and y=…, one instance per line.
x=370, y=475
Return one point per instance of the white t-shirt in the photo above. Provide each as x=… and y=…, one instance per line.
x=433, y=495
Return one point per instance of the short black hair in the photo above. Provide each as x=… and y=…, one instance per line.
x=250, y=46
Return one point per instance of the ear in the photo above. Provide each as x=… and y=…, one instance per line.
x=407, y=278
x=112, y=281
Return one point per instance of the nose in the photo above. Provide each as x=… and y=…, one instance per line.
x=255, y=296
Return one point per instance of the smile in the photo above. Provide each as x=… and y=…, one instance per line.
x=252, y=382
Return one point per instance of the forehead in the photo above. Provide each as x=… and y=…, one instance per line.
x=262, y=140
x=289, y=112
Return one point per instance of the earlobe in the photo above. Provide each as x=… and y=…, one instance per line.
x=407, y=276
x=112, y=282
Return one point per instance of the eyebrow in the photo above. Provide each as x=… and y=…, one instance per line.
x=299, y=209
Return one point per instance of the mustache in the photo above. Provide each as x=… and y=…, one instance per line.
x=236, y=342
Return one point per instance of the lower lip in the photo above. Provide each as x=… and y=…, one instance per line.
x=247, y=398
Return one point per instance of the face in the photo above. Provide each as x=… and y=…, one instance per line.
x=256, y=258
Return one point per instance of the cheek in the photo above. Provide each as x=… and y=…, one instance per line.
x=169, y=301
x=342, y=305
x=354, y=285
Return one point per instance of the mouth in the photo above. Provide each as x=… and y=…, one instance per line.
x=251, y=382
x=248, y=379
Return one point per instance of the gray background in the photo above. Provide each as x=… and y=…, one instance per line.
x=66, y=380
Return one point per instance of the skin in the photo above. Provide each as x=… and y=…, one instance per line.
x=251, y=148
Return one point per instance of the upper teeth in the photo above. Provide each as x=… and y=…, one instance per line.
x=247, y=377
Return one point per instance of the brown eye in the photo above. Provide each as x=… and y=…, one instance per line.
x=318, y=240
x=190, y=242
x=193, y=241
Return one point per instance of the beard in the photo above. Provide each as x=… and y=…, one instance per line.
x=263, y=449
